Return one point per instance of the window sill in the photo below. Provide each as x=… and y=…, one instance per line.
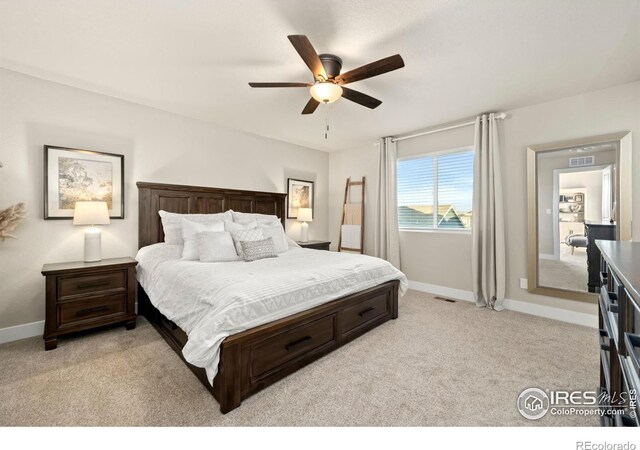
x=439, y=231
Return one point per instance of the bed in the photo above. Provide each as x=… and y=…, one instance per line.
x=248, y=360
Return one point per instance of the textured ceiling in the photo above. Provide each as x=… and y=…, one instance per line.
x=196, y=57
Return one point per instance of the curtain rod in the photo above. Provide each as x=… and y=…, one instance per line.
x=452, y=127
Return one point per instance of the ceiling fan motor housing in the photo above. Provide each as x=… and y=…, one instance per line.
x=332, y=64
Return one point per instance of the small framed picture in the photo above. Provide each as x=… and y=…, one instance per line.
x=72, y=175
x=578, y=198
x=299, y=195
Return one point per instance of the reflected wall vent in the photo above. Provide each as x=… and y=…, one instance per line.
x=580, y=161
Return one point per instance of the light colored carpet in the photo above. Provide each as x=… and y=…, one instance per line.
x=439, y=363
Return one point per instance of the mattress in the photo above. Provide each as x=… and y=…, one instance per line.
x=211, y=301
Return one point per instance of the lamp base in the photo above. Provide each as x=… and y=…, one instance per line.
x=304, y=232
x=92, y=245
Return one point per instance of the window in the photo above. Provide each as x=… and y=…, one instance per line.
x=435, y=191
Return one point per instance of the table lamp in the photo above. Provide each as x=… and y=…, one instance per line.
x=91, y=213
x=304, y=215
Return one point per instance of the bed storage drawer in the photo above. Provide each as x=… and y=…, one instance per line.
x=363, y=313
x=72, y=313
x=72, y=286
x=269, y=355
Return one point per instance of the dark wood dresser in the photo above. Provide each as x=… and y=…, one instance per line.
x=619, y=323
x=593, y=231
x=316, y=245
x=81, y=296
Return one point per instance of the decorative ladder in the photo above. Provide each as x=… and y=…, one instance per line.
x=352, y=225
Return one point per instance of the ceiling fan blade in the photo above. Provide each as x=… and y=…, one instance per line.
x=360, y=98
x=371, y=70
x=311, y=106
x=279, y=85
x=308, y=54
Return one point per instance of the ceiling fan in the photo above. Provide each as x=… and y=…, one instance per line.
x=328, y=85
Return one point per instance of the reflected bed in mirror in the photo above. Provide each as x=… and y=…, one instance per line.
x=579, y=191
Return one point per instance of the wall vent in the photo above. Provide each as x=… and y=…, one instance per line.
x=580, y=161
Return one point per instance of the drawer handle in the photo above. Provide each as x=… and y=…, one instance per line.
x=293, y=345
x=364, y=312
x=95, y=309
x=92, y=284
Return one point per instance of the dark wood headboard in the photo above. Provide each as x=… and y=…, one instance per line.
x=153, y=197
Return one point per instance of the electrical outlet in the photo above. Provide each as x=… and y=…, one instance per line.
x=524, y=283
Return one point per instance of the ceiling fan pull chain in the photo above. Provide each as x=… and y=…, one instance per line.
x=326, y=121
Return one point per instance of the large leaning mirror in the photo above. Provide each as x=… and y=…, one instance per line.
x=579, y=191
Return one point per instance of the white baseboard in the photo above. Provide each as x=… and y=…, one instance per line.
x=457, y=294
x=549, y=312
x=21, y=331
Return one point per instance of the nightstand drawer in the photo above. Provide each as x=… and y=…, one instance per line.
x=72, y=286
x=88, y=310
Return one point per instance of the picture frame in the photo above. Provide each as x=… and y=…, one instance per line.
x=300, y=194
x=72, y=174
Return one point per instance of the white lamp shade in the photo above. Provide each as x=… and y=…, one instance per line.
x=326, y=92
x=91, y=213
x=305, y=215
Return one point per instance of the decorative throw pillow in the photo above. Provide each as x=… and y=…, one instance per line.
x=255, y=250
x=275, y=231
x=216, y=246
x=189, y=236
x=240, y=216
x=232, y=226
x=252, y=234
x=172, y=223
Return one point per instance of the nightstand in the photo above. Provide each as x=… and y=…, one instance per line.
x=81, y=296
x=316, y=245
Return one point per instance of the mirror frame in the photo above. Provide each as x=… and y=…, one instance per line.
x=623, y=211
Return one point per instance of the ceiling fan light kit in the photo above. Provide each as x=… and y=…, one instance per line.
x=328, y=83
x=326, y=92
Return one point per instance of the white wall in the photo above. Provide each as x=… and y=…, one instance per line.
x=444, y=259
x=158, y=146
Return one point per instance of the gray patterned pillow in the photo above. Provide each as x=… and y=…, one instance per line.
x=255, y=250
x=253, y=234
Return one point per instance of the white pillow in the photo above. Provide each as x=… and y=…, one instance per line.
x=172, y=223
x=251, y=234
x=216, y=246
x=190, y=231
x=240, y=216
x=291, y=243
x=275, y=231
x=232, y=226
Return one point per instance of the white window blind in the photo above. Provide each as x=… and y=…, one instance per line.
x=435, y=191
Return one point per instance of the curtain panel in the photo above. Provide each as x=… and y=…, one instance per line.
x=386, y=241
x=487, y=223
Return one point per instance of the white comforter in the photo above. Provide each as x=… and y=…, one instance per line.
x=211, y=301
